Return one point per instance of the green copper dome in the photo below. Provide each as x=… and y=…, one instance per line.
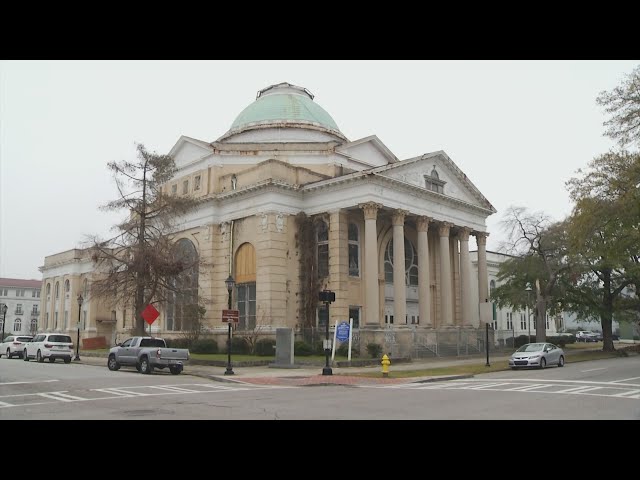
x=284, y=104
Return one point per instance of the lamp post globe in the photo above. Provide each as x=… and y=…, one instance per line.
x=230, y=283
x=4, y=319
x=77, y=357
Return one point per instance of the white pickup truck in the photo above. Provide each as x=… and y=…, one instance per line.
x=147, y=353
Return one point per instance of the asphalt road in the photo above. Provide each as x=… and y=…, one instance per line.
x=603, y=389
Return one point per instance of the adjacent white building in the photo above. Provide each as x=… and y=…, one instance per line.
x=22, y=298
x=508, y=322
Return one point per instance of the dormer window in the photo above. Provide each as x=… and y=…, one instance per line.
x=433, y=182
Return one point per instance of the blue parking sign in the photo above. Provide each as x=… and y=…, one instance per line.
x=342, y=331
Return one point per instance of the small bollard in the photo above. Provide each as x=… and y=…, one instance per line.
x=385, y=365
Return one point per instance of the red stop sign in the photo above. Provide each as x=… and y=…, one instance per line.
x=150, y=314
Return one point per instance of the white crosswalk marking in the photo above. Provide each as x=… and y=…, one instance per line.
x=577, y=389
x=526, y=388
x=489, y=386
x=5, y=404
x=627, y=393
x=60, y=396
x=173, y=389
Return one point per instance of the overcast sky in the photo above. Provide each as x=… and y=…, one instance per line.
x=518, y=129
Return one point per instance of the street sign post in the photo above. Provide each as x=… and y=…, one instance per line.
x=230, y=316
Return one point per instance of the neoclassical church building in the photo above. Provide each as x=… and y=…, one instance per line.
x=291, y=207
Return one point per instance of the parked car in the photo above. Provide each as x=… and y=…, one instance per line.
x=49, y=345
x=147, y=353
x=13, y=345
x=586, y=336
x=537, y=355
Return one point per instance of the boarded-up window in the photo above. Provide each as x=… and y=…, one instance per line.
x=245, y=266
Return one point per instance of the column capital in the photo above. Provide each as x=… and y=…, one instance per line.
x=443, y=228
x=397, y=218
x=422, y=223
x=370, y=210
x=481, y=237
x=463, y=234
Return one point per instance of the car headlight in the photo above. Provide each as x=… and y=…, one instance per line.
x=533, y=357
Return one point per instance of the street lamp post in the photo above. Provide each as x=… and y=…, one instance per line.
x=4, y=319
x=528, y=290
x=77, y=357
x=230, y=282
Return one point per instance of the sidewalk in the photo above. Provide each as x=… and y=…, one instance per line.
x=312, y=375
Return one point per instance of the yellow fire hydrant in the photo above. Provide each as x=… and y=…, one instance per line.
x=385, y=365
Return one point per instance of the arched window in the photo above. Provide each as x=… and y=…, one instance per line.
x=354, y=250
x=17, y=325
x=34, y=325
x=322, y=240
x=410, y=263
x=66, y=286
x=183, y=311
x=48, y=289
x=57, y=289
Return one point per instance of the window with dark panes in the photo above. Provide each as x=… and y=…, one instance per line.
x=354, y=314
x=322, y=239
x=354, y=251
x=323, y=317
x=246, y=299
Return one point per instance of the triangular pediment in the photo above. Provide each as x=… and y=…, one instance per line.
x=370, y=151
x=417, y=171
x=187, y=150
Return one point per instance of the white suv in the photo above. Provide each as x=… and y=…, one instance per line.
x=49, y=345
x=13, y=345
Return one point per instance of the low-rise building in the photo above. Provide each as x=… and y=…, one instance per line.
x=22, y=298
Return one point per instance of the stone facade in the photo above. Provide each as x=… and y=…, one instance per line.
x=277, y=162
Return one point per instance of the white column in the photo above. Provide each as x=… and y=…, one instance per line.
x=483, y=278
x=445, y=275
x=424, y=302
x=465, y=274
x=371, y=293
x=399, y=281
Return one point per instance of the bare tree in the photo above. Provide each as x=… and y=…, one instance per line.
x=139, y=266
x=539, y=247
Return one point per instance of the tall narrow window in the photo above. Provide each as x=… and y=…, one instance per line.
x=34, y=325
x=55, y=321
x=185, y=187
x=323, y=317
x=322, y=239
x=523, y=321
x=46, y=320
x=17, y=325
x=196, y=182
x=174, y=189
x=182, y=306
x=84, y=320
x=48, y=289
x=66, y=286
x=57, y=289
x=124, y=318
x=354, y=314
x=354, y=251
x=246, y=297
x=66, y=319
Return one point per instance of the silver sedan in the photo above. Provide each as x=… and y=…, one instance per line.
x=537, y=355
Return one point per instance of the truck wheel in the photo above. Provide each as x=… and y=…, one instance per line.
x=112, y=364
x=175, y=370
x=145, y=366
